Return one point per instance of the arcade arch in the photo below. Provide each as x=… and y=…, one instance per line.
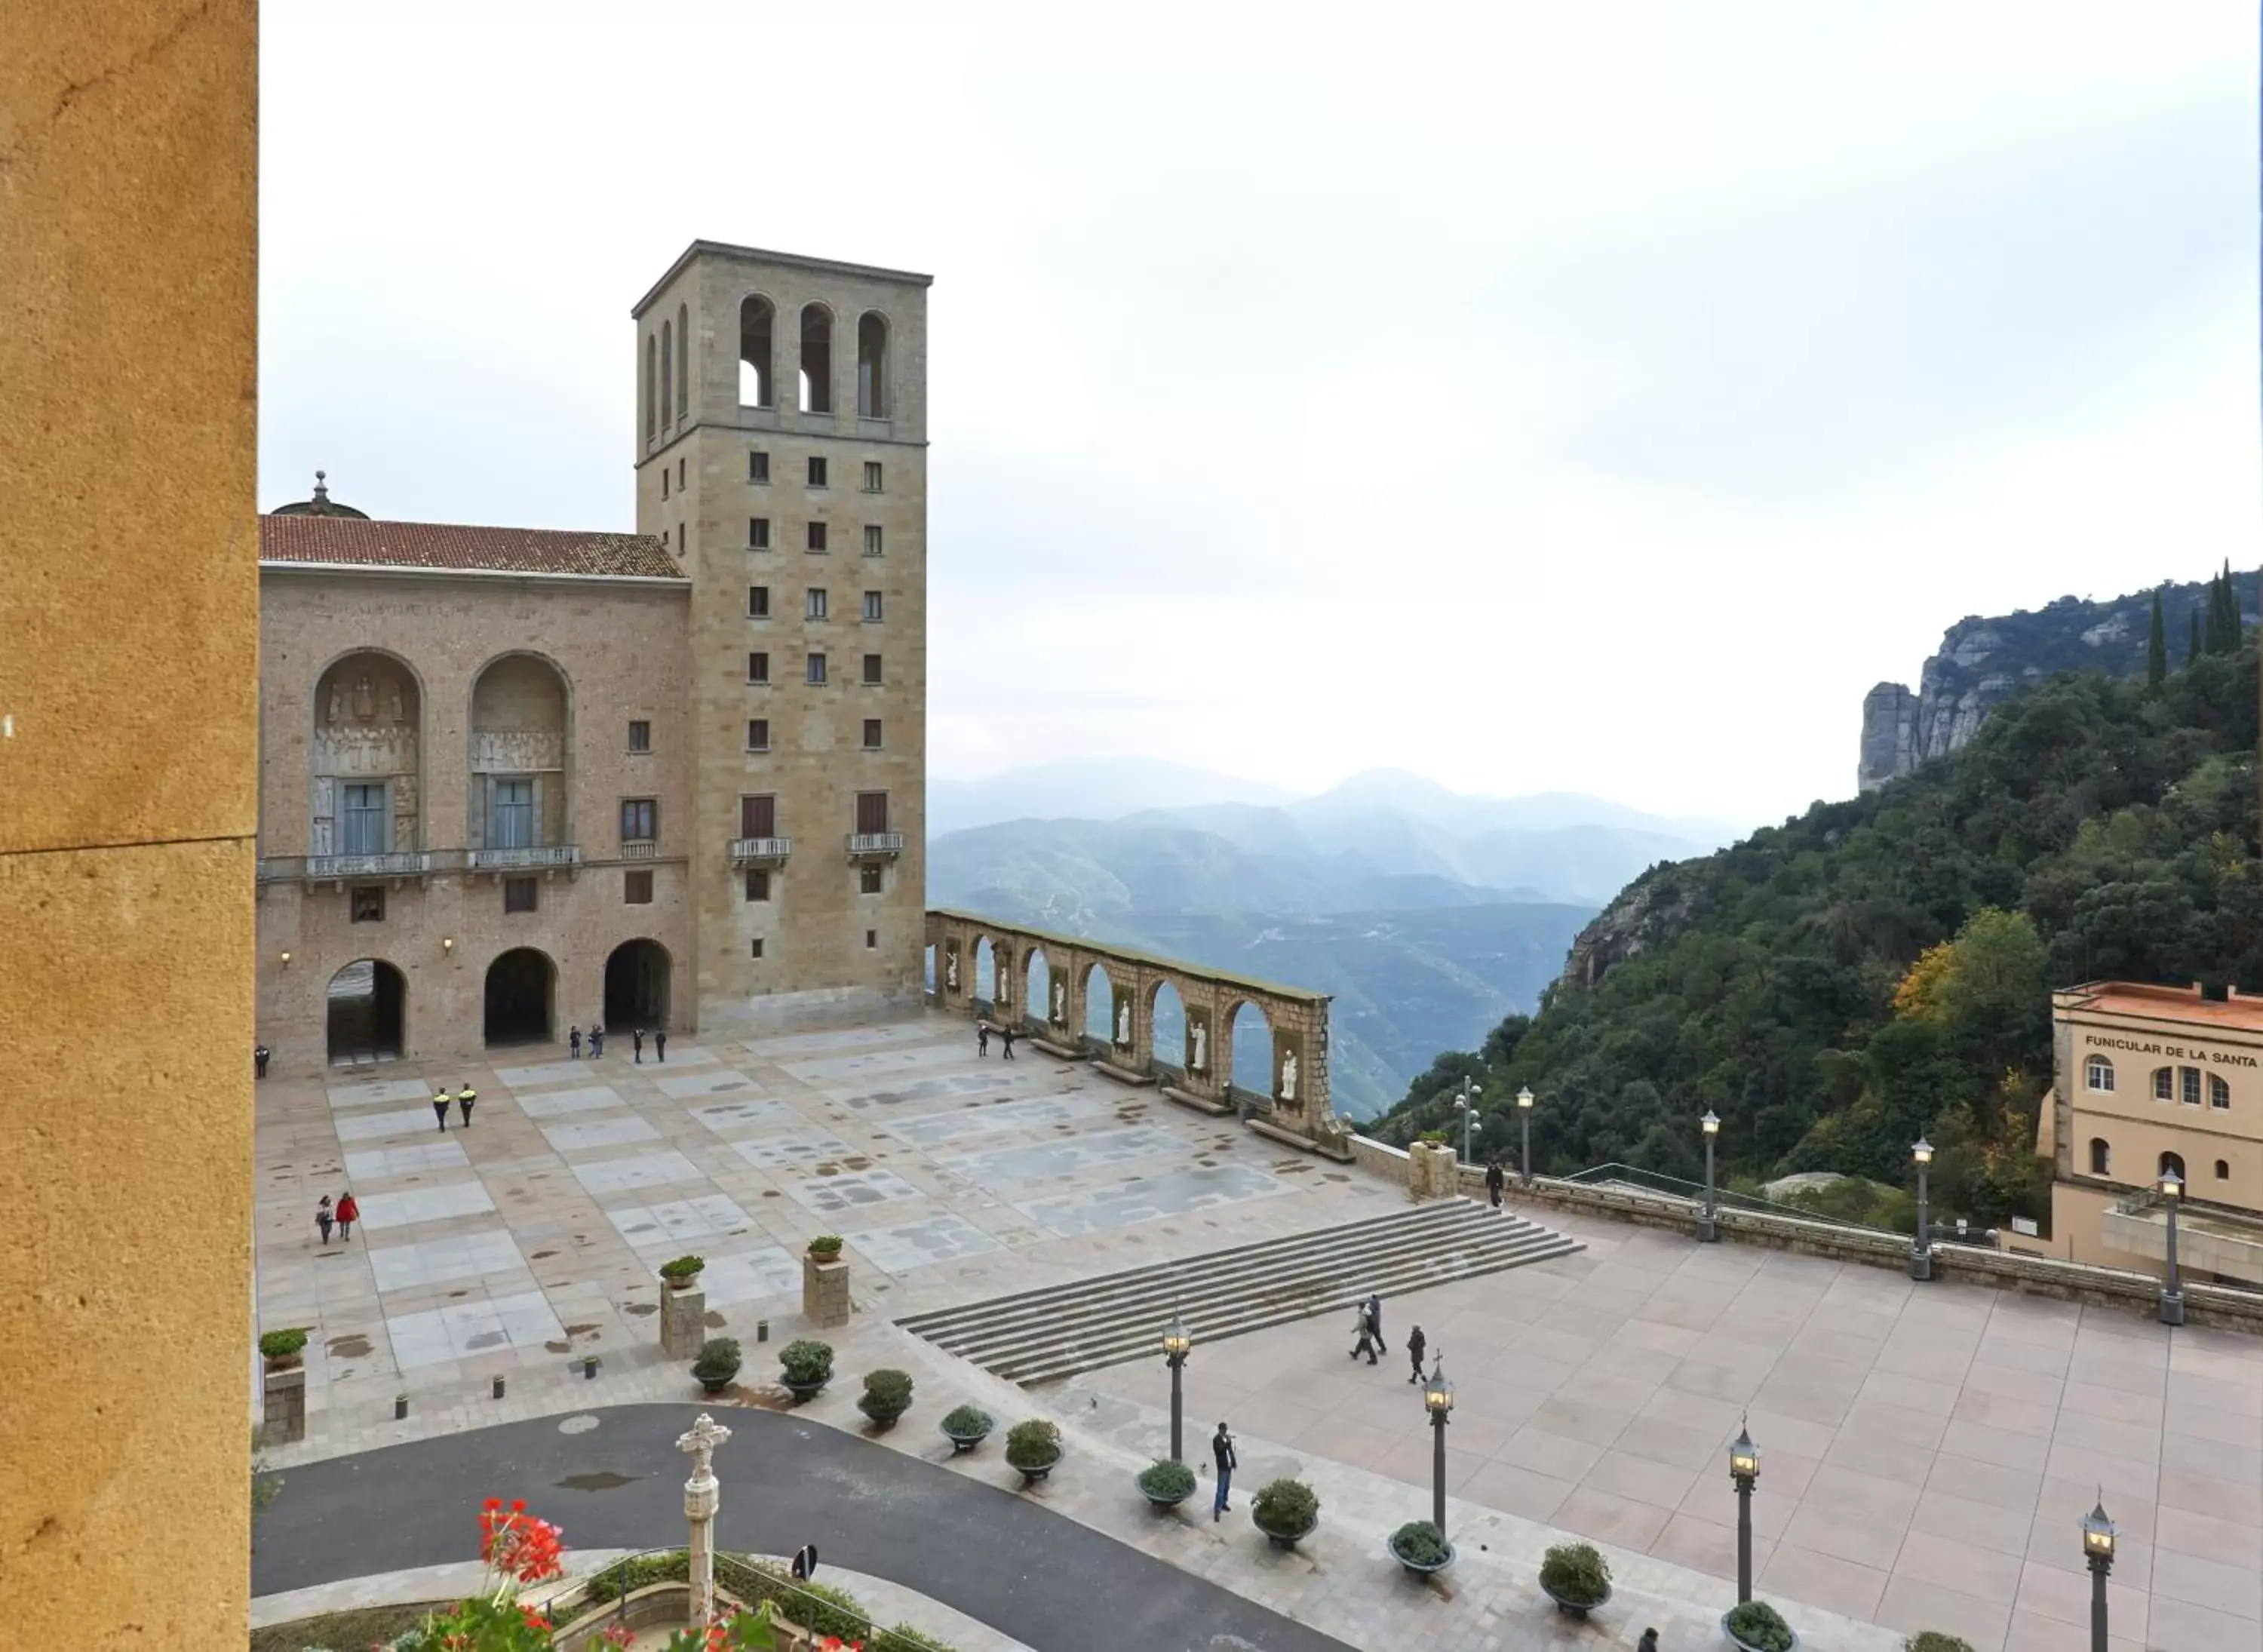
x=520, y=986
x=365, y=792
x=1253, y=1048
x=517, y=798
x=366, y=1013
x=1167, y=1024
x=637, y=978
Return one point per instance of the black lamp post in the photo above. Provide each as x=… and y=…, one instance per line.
x=2172, y=1293
x=2098, y=1549
x=1177, y=1342
x=1921, y=1251
x=1438, y=1397
x=1743, y=1469
x=1706, y=1232
x=1524, y=1115
x=1465, y=1104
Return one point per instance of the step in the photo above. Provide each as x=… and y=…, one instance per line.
x=1200, y=1104
x=1123, y=1075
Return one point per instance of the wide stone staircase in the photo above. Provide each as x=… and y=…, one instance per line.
x=1045, y=1335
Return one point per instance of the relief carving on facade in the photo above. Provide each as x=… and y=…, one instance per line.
x=350, y=750
x=323, y=815
x=516, y=751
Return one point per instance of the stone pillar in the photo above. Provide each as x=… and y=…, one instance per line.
x=683, y=1322
x=702, y=1497
x=824, y=1290
x=284, y=1417
x=1431, y=1172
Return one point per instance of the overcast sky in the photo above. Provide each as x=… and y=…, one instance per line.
x=1538, y=396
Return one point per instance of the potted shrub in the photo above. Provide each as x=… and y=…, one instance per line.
x=826, y=1247
x=679, y=1273
x=1422, y=1548
x=1166, y=1484
x=1575, y=1578
x=1033, y=1447
x=887, y=1395
x=1933, y=1640
x=966, y=1426
x=1758, y=1626
x=280, y=1348
x=807, y=1364
x=1285, y=1510
x=717, y=1365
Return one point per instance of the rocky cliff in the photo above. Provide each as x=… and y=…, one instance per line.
x=1983, y=662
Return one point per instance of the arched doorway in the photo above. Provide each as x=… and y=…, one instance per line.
x=367, y=1012
x=519, y=998
x=636, y=986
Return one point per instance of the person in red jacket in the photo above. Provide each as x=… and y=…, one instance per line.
x=349, y=1213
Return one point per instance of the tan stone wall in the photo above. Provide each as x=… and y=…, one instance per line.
x=126, y=741
x=619, y=647
x=2137, y=1127
x=816, y=961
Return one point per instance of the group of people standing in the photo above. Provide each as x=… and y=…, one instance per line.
x=342, y=1216
x=596, y=1042
x=1006, y=1037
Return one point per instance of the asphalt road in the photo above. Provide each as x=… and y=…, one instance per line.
x=1036, y=1575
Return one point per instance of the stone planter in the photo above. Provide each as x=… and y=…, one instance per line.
x=805, y=1392
x=679, y=1282
x=1576, y=1608
x=965, y=1442
x=1432, y=1171
x=1422, y=1569
x=1030, y=1477
x=712, y=1386
x=825, y=1290
x=1747, y=1646
x=1157, y=1500
x=882, y=1423
x=1285, y=1540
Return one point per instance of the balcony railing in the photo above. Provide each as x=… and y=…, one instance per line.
x=641, y=849
x=518, y=859
x=876, y=843
x=322, y=867
x=745, y=850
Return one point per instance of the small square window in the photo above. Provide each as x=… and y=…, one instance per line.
x=636, y=889
x=758, y=668
x=639, y=735
x=812, y=606
x=758, y=602
x=758, y=885
x=664, y=479
x=518, y=895
x=871, y=475
x=369, y=904
x=816, y=536
x=758, y=467
x=871, y=734
x=872, y=610
x=813, y=672
x=869, y=878
x=872, y=668
x=755, y=947
x=639, y=819
x=758, y=534
x=759, y=733
x=871, y=939
x=816, y=473
x=871, y=538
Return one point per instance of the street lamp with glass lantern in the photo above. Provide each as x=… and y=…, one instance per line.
x=1438, y=1399
x=2173, y=1294
x=1706, y=1230
x=1465, y=1104
x=1524, y=1115
x=2098, y=1549
x=1176, y=1344
x=1743, y=1469
x=1921, y=1251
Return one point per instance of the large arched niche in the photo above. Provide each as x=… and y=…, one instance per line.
x=365, y=782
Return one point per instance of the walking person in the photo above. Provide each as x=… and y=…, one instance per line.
x=573, y=1043
x=349, y=1213
x=1414, y=1346
x=440, y=1100
x=323, y=1218
x=1493, y=1180
x=1649, y=1642
x=1366, y=1342
x=982, y=1038
x=1221, y=1449
x=636, y=1043
x=1375, y=1322
x=259, y=1054
x=660, y=1043
x=465, y=1098
x=596, y=1042
x=1006, y=1038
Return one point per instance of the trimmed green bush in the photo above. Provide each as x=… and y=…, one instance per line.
x=1758, y=1624
x=904, y=1638
x=964, y=1420
x=817, y=1607
x=683, y=1268
x=807, y=1360
x=1575, y=1573
x=1035, y=1444
x=1286, y=1506
x=1168, y=1479
x=887, y=1395
x=1420, y=1542
x=281, y=1345
x=1933, y=1640
x=629, y=1576
x=826, y=1246
x=717, y=1361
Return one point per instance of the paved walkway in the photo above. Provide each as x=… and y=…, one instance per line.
x=1001, y=1559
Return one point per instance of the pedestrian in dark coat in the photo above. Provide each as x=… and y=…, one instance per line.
x=323, y=1218
x=1493, y=1180
x=1366, y=1342
x=1221, y=1450
x=465, y=1098
x=982, y=1038
x=596, y=1042
x=1414, y=1346
x=349, y=1213
x=440, y=1100
x=1006, y=1037
x=660, y=1042
x=1649, y=1642
x=574, y=1042
x=1375, y=1322
x=259, y=1054
x=636, y=1043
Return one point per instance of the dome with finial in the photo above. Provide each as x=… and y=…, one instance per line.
x=321, y=504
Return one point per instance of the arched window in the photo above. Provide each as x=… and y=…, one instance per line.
x=2164, y=1084
x=651, y=386
x=2222, y=1169
x=2101, y=1159
x=756, y=316
x=2174, y=1163
x=816, y=358
x=871, y=366
x=2219, y=1093
x=683, y=361
x=667, y=371
x=2098, y=1072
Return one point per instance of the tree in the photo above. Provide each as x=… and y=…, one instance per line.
x=2223, y=614
x=2192, y=637
x=2157, y=649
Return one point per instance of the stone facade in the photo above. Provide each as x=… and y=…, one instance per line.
x=840, y=933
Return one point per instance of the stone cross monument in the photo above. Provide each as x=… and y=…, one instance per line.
x=702, y=1497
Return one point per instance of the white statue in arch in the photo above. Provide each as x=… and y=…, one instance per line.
x=951, y=970
x=1124, y=1023
x=1061, y=1002
x=1289, y=1076
x=1197, y=1046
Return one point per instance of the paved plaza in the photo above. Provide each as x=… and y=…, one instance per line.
x=1928, y=1450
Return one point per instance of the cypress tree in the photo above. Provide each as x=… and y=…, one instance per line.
x=2157, y=649
x=2223, y=614
x=2192, y=635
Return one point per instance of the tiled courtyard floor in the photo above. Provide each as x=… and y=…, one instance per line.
x=1928, y=1450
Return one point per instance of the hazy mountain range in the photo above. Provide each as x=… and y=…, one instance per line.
x=1429, y=914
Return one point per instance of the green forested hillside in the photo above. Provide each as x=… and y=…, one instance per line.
x=1881, y=968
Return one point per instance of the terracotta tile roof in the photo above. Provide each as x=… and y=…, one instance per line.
x=2241, y=1011
x=448, y=545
